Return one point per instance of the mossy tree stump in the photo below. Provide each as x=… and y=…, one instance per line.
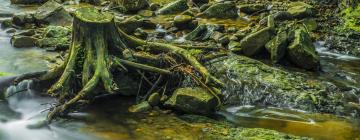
x=96, y=46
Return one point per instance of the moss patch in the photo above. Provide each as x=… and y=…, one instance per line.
x=352, y=18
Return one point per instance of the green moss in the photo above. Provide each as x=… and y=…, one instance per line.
x=93, y=15
x=352, y=18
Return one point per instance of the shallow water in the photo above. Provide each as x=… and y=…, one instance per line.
x=317, y=126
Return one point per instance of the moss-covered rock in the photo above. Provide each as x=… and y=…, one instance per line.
x=301, y=10
x=251, y=82
x=52, y=13
x=255, y=42
x=20, y=41
x=56, y=37
x=182, y=21
x=192, y=100
x=221, y=10
x=302, y=51
x=277, y=46
x=173, y=8
x=6, y=24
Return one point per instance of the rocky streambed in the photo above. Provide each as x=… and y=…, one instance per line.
x=284, y=78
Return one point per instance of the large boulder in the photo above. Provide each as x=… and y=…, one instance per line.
x=277, y=46
x=53, y=13
x=132, y=5
x=302, y=51
x=20, y=41
x=221, y=10
x=251, y=82
x=301, y=10
x=192, y=100
x=255, y=42
x=173, y=8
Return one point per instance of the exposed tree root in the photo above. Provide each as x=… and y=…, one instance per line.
x=96, y=47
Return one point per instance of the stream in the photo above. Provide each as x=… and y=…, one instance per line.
x=103, y=121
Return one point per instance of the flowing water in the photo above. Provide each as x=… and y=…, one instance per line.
x=111, y=121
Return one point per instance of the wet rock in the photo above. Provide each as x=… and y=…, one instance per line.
x=23, y=41
x=249, y=81
x=277, y=46
x=301, y=10
x=21, y=19
x=255, y=42
x=131, y=24
x=6, y=113
x=192, y=100
x=6, y=24
x=221, y=10
x=173, y=8
x=52, y=13
x=154, y=99
x=252, y=8
x=27, y=1
x=302, y=51
x=182, y=21
x=132, y=5
x=142, y=107
x=204, y=32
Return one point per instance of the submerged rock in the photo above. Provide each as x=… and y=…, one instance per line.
x=53, y=13
x=302, y=51
x=221, y=10
x=173, y=8
x=301, y=10
x=192, y=100
x=20, y=41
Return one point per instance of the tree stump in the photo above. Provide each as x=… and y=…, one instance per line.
x=96, y=46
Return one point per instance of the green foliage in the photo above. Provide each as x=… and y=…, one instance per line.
x=352, y=18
